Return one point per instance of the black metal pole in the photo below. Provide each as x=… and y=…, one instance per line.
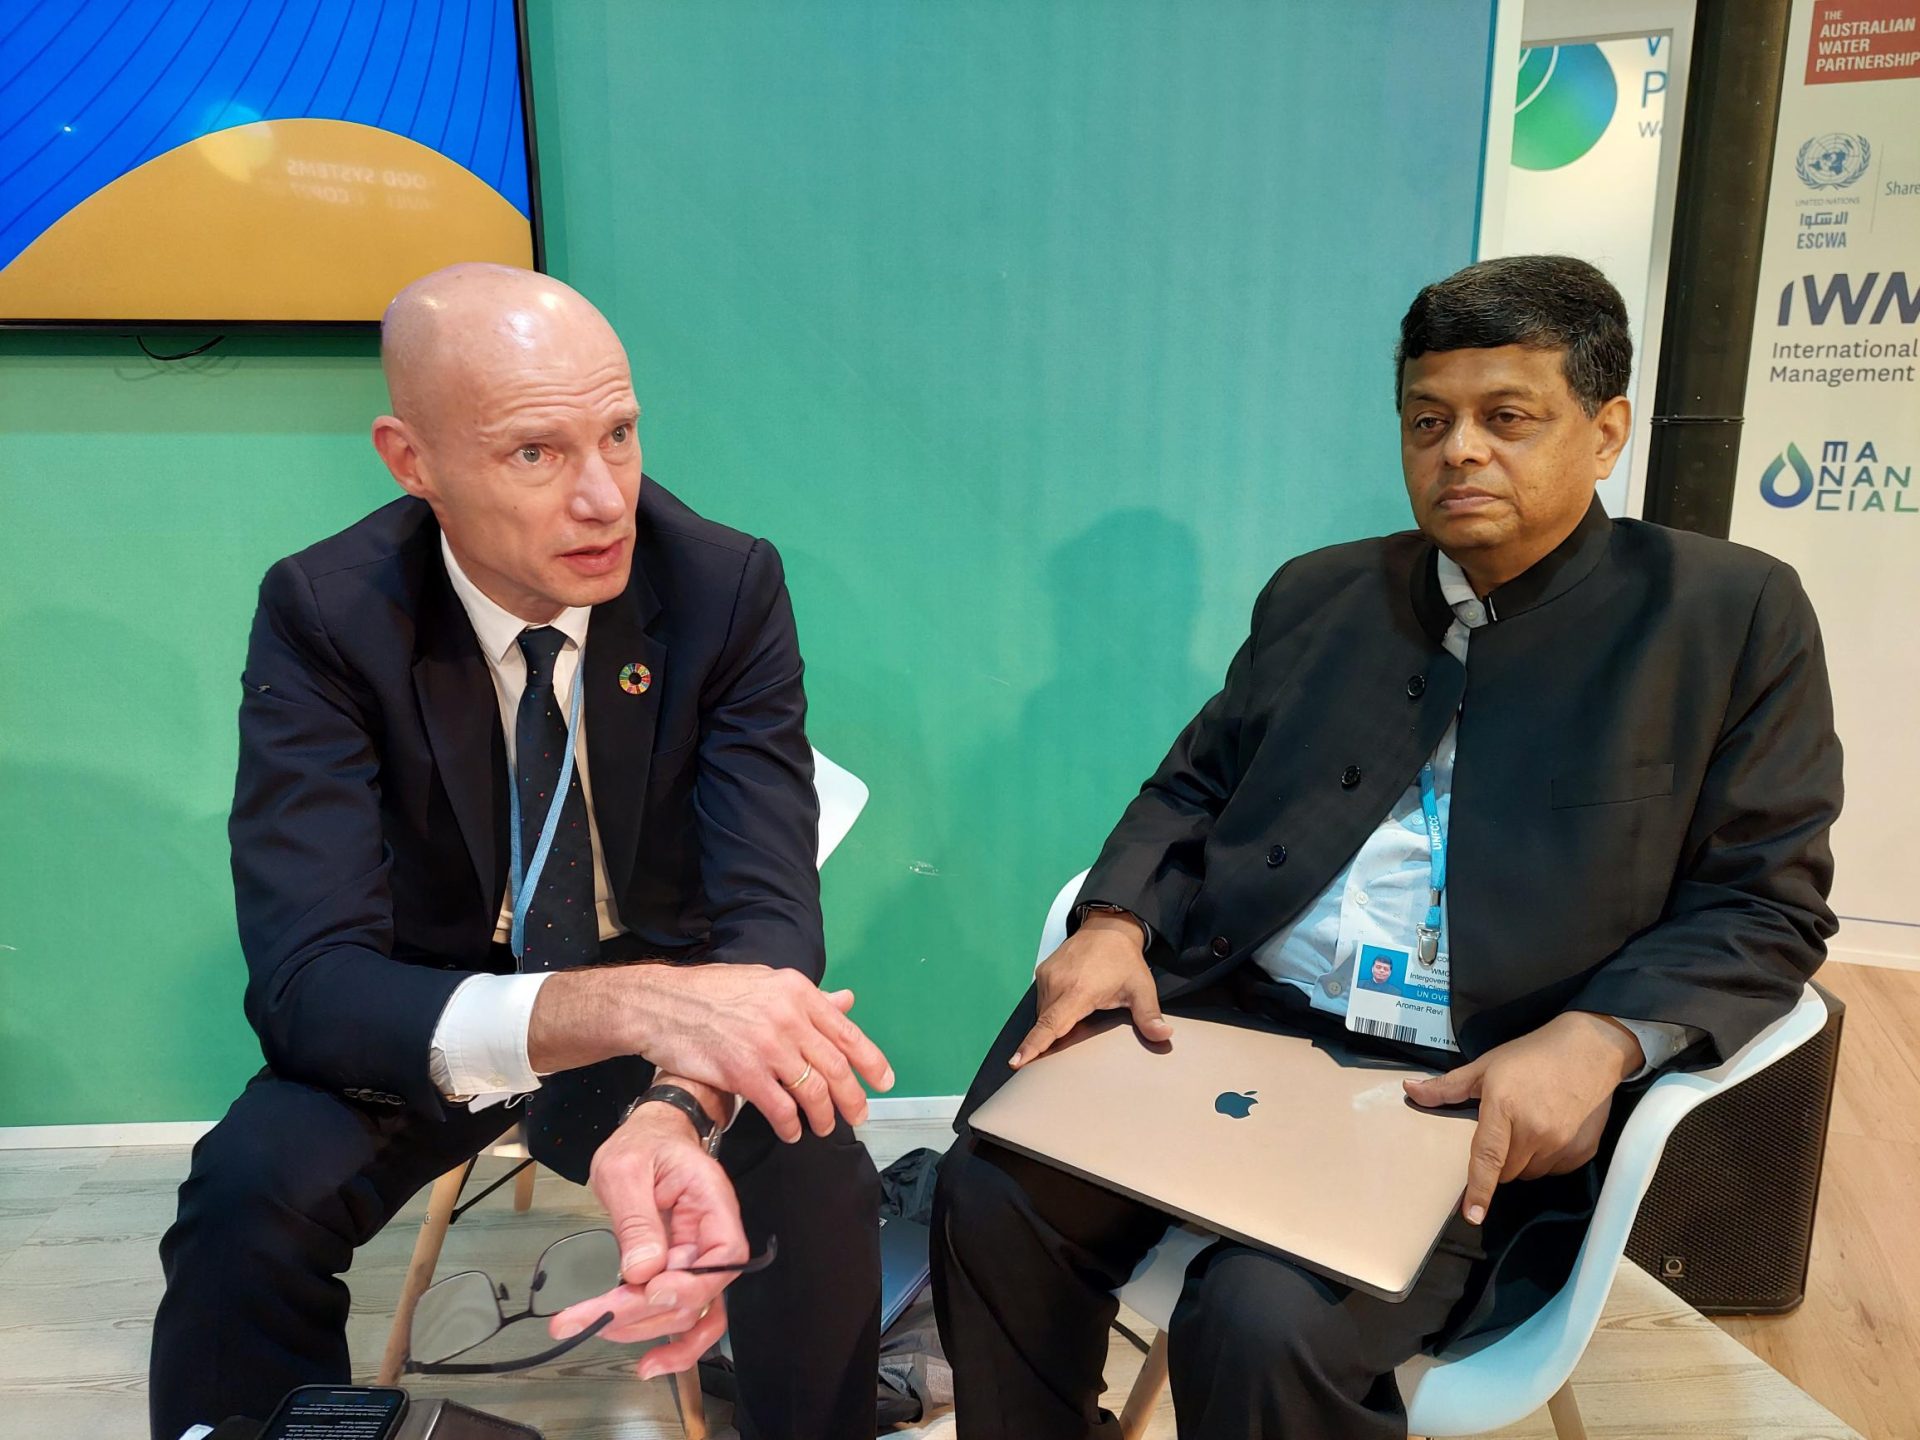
x=1713, y=277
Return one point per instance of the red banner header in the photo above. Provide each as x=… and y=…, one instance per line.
x=1863, y=40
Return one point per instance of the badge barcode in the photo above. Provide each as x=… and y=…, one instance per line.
x=1403, y=1033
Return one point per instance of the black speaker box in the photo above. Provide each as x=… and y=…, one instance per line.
x=1728, y=1222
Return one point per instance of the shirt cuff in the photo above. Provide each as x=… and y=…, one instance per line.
x=479, y=1052
x=1660, y=1041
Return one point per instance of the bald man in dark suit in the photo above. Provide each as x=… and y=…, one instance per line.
x=525, y=809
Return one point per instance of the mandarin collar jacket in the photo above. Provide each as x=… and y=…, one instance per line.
x=1646, y=775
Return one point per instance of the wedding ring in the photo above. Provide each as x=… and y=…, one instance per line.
x=805, y=1075
x=705, y=1310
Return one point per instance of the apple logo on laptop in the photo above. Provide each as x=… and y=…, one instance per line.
x=1233, y=1103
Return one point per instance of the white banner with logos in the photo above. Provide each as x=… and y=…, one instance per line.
x=1585, y=181
x=1832, y=435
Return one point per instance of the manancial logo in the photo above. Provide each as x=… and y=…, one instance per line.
x=1770, y=489
x=1833, y=162
x=1565, y=102
x=1853, y=479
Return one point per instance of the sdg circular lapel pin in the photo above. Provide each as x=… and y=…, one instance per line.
x=635, y=679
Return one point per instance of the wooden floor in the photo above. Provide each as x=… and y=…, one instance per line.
x=1655, y=1369
x=79, y=1281
x=1855, y=1343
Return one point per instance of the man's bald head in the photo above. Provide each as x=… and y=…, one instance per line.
x=452, y=331
x=514, y=418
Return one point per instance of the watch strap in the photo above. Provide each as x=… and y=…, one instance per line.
x=683, y=1101
x=1103, y=907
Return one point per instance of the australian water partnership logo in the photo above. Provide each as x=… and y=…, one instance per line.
x=1852, y=479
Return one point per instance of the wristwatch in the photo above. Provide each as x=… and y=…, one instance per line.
x=1101, y=907
x=683, y=1101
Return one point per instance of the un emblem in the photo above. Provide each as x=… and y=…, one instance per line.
x=1833, y=162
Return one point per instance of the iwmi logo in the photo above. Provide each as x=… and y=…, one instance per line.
x=1870, y=298
x=1833, y=162
x=1852, y=479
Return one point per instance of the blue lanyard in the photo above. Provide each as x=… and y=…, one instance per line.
x=1429, y=933
x=523, y=884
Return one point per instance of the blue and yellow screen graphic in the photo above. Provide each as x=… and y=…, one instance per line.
x=253, y=159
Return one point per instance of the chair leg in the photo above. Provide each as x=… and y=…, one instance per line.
x=426, y=1255
x=523, y=1190
x=1146, y=1391
x=691, y=1404
x=1565, y=1413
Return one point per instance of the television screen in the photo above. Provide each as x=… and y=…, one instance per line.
x=214, y=161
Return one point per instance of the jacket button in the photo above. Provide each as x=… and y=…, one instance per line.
x=1277, y=855
x=1350, y=776
x=1416, y=686
x=1222, y=946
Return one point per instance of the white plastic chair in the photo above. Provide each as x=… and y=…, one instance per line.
x=843, y=795
x=1532, y=1364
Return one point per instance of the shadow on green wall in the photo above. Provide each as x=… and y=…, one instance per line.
x=1038, y=798
x=119, y=920
x=108, y=387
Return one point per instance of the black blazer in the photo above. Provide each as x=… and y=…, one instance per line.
x=1645, y=778
x=1646, y=775
x=369, y=824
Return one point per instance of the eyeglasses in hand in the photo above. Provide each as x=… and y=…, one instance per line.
x=466, y=1310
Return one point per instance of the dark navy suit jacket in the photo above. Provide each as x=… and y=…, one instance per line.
x=369, y=824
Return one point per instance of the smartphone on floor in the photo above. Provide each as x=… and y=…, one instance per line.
x=338, y=1412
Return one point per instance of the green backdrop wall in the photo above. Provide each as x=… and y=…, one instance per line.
x=1035, y=334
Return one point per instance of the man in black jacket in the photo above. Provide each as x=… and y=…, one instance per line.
x=1580, y=772
x=500, y=741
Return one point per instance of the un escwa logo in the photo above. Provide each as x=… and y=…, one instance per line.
x=1852, y=479
x=1833, y=162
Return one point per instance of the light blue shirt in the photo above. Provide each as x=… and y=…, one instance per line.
x=1381, y=896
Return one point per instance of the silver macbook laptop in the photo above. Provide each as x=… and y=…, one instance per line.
x=1278, y=1141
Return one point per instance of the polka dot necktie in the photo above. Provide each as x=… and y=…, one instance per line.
x=574, y=1110
x=562, y=926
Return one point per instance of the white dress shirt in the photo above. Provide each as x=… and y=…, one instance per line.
x=480, y=1045
x=1381, y=896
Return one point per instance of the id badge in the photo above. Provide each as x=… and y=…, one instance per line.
x=1397, y=996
